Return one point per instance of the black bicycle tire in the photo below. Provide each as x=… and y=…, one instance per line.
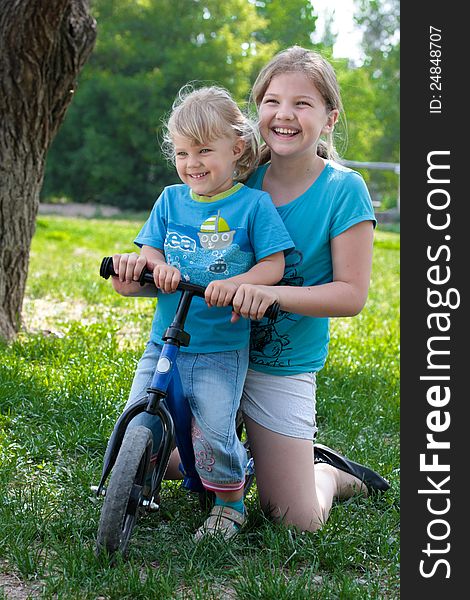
x=116, y=523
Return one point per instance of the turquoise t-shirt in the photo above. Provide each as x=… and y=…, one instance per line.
x=337, y=200
x=207, y=239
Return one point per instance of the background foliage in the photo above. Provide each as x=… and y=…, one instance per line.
x=107, y=151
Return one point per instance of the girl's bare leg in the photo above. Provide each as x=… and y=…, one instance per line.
x=172, y=471
x=289, y=488
x=285, y=478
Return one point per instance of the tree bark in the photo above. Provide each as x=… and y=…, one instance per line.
x=43, y=47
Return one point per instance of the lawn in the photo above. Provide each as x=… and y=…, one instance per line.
x=64, y=382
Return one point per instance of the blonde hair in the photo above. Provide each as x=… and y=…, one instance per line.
x=206, y=114
x=318, y=70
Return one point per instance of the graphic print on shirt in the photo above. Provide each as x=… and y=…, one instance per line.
x=212, y=251
x=215, y=233
x=267, y=342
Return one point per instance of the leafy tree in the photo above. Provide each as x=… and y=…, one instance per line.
x=43, y=46
x=363, y=130
x=380, y=21
x=290, y=22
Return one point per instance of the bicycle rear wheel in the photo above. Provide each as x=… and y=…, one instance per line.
x=124, y=493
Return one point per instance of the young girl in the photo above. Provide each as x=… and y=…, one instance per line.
x=214, y=231
x=328, y=213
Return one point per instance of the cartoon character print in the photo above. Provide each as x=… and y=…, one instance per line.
x=267, y=343
x=291, y=277
x=218, y=266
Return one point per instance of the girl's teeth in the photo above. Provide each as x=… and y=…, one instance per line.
x=284, y=131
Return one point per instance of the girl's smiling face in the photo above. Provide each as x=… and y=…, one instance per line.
x=293, y=115
x=208, y=168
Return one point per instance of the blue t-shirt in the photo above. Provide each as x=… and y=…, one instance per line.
x=337, y=200
x=207, y=239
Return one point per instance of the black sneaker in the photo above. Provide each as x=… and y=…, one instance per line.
x=373, y=481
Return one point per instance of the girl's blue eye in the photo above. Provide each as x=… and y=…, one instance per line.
x=204, y=150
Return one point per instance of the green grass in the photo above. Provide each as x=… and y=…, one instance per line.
x=63, y=384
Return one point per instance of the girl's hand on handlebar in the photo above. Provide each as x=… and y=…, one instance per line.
x=166, y=277
x=252, y=301
x=128, y=267
x=220, y=293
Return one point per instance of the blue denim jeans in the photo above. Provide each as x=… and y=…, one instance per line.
x=213, y=384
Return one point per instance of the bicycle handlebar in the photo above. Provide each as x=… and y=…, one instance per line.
x=107, y=271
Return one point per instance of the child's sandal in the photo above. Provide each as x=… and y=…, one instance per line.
x=223, y=521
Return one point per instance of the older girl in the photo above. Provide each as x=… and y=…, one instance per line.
x=328, y=212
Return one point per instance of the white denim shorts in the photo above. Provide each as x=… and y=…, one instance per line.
x=283, y=404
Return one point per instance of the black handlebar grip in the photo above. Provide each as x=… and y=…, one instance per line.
x=106, y=268
x=107, y=271
x=272, y=312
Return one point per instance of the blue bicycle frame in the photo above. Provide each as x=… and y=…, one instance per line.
x=165, y=411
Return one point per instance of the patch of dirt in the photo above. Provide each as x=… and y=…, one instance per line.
x=42, y=314
x=14, y=589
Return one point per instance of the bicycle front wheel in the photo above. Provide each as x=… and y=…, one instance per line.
x=124, y=493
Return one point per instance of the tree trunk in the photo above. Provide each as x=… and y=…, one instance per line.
x=43, y=46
